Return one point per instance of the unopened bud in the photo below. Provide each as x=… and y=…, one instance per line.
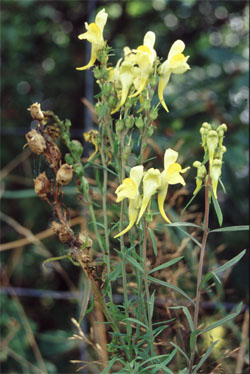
x=212, y=142
x=153, y=80
x=36, y=112
x=36, y=142
x=206, y=125
x=153, y=113
x=42, y=185
x=76, y=149
x=64, y=174
x=139, y=123
x=150, y=131
x=119, y=125
x=129, y=122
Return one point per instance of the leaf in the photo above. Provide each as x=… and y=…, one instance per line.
x=217, y=209
x=98, y=182
x=152, y=304
x=152, y=236
x=206, y=355
x=137, y=322
x=187, y=314
x=222, y=268
x=134, y=263
x=223, y=321
x=231, y=228
x=192, y=339
x=177, y=289
x=109, y=366
x=190, y=201
x=181, y=351
x=222, y=185
x=177, y=224
x=112, y=276
x=166, y=264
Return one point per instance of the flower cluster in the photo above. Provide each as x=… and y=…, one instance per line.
x=133, y=72
x=212, y=142
x=153, y=181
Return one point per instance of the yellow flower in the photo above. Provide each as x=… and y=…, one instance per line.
x=130, y=189
x=144, y=57
x=201, y=174
x=94, y=35
x=151, y=182
x=90, y=137
x=176, y=63
x=215, y=173
x=170, y=175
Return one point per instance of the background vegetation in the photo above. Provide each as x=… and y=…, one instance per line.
x=40, y=50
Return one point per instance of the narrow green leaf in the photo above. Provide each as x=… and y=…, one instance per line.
x=223, y=320
x=86, y=296
x=190, y=201
x=190, y=237
x=137, y=322
x=187, y=314
x=231, y=228
x=177, y=289
x=192, y=339
x=181, y=351
x=217, y=209
x=152, y=304
x=222, y=185
x=134, y=263
x=112, y=276
x=177, y=224
x=159, y=330
x=98, y=182
x=166, y=264
x=109, y=366
x=151, y=359
x=152, y=236
x=206, y=355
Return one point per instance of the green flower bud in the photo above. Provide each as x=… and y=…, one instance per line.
x=153, y=80
x=102, y=56
x=201, y=174
x=112, y=100
x=150, y=131
x=106, y=89
x=212, y=142
x=153, y=113
x=222, y=127
x=206, y=125
x=76, y=149
x=146, y=104
x=129, y=122
x=67, y=123
x=139, y=123
x=69, y=159
x=149, y=216
x=130, y=102
x=119, y=126
x=78, y=169
x=215, y=173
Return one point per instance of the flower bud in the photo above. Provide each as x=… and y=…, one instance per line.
x=153, y=113
x=64, y=232
x=76, y=149
x=212, y=142
x=106, y=89
x=36, y=142
x=215, y=173
x=201, y=174
x=150, y=131
x=42, y=185
x=69, y=159
x=36, y=112
x=119, y=126
x=146, y=104
x=139, y=123
x=153, y=80
x=78, y=169
x=129, y=122
x=112, y=100
x=206, y=125
x=64, y=174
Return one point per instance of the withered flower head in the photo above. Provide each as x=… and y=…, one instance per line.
x=36, y=112
x=42, y=185
x=52, y=155
x=36, y=142
x=63, y=231
x=83, y=239
x=64, y=174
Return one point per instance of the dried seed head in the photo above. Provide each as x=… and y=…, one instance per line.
x=42, y=185
x=36, y=142
x=53, y=155
x=64, y=174
x=83, y=239
x=36, y=112
x=63, y=231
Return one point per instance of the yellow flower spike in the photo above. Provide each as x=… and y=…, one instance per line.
x=94, y=35
x=176, y=63
x=90, y=137
x=126, y=77
x=170, y=175
x=151, y=182
x=212, y=142
x=215, y=174
x=130, y=189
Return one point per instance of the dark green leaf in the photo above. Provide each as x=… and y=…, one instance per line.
x=206, y=355
x=166, y=264
x=152, y=236
x=217, y=209
x=231, y=228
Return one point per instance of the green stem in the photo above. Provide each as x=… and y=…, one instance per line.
x=145, y=275
x=200, y=268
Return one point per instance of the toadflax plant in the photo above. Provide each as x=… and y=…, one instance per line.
x=113, y=251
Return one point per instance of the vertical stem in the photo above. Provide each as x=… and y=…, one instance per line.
x=200, y=268
x=145, y=275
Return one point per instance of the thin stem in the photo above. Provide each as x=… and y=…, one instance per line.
x=200, y=268
x=145, y=275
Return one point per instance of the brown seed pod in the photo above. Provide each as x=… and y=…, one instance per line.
x=64, y=232
x=42, y=185
x=36, y=112
x=36, y=142
x=83, y=239
x=52, y=155
x=64, y=174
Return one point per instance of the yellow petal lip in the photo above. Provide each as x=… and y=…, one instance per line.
x=161, y=198
x=127, y=189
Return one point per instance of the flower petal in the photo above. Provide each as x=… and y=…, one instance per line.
x=132, y=214
x=170, y=156
x=136, y=174
x=91, y=61
x=177, y=47
x=161, y=198
x=161, y=86
x=127, y=189
x=101, y=19
x=173, y=174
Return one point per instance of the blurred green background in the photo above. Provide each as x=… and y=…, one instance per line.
x=40, y=51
